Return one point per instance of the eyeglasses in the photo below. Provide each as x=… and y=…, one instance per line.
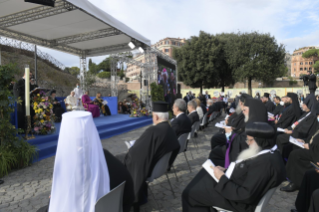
x=249, y=140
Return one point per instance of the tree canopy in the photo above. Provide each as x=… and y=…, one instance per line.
x=312, y=53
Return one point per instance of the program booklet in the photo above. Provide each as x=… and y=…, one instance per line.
x=296, y=142
x=208, y=166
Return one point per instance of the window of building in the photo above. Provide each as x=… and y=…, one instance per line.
x=301, y=63
x=166, y=50
x=295, y=63
x=167, y=42
x=310, y=63
x=310, y=69
x=300, y=69
x=174, y=43
x=306, y=63
x=294, y=69
x=305, y=68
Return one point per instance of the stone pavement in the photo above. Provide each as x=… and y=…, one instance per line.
x=28, y=189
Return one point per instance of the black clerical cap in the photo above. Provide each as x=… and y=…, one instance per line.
x=259, y=130
x=266, y=95
x=52, y=91
x=160, y=107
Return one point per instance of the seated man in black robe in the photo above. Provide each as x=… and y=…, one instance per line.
x=254, y=111
x=270, y=106
x=278, y=109
x=154, y=143
x=257, y=170
x=299, y=159
x=215, y=107
x=308, y=196
x=305, y=126
x=57, y=108
x=290, y=113
x=236, y=121
x=193, y=115
x=181, y=123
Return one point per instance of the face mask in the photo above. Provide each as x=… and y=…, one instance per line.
x=282, y=103
x=77, y=86
x=318, y=119
x=227, y=135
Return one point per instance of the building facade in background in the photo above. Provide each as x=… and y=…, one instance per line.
x=300, y=65
x=165, y=45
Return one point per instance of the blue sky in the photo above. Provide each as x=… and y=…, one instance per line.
x=293, y=23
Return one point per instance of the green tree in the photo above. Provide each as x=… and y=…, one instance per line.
x=89, y=80
x=202, y=61
x=121, y=74
x=104, y=75
x=105, y=65
x=255, y=56
x=313, y=53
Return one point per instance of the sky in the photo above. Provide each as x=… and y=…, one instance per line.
x=293, y=23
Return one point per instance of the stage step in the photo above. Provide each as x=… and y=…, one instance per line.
x=48, y=144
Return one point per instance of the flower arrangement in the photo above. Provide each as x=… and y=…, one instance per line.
x=137, y=111
x=44, y=116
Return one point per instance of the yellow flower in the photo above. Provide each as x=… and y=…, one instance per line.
x=44, y=115
x=38, y=94
x=35, y=104
x=36, y=111
x=42, y=120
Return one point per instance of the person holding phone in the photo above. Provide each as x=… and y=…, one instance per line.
x=308, y=196
x=299, y=159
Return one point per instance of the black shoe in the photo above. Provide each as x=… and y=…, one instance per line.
x=291, y=187
x=293, y=210
x=195, y=135
x=1, y=182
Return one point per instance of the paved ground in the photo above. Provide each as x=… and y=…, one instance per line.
x=28, y=189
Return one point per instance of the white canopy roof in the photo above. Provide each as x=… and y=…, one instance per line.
x=73, y=26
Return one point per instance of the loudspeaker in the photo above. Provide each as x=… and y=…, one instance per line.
x=145, y=83
x=42, y=2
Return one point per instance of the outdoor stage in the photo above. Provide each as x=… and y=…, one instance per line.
x=107, y=127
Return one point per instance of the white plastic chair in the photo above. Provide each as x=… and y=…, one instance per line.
x=112, y=201
x=204, y=120
x=261, y=205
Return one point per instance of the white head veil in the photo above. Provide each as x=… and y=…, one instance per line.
x=80, y=175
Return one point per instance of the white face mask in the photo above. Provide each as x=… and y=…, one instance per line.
x=282, y=103
x=227, y=135
x=77, y=86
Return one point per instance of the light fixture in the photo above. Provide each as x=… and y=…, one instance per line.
x=141, y=49
x=131, y=45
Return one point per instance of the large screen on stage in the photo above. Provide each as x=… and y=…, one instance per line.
x=166, y=76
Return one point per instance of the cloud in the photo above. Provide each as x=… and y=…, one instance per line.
x=290, y=21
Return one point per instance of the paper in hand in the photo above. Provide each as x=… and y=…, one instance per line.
x=219, y=125
x=296, y=142
x=208, y=166
x=129, y=144
x=280, y=129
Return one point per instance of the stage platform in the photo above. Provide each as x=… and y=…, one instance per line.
x=107, y=127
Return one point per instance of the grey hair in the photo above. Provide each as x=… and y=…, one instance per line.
x=180, y=104
x=192, y=103
x=210, y=101
x=162, y=115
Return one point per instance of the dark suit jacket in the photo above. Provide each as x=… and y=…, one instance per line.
x=215, y=107
x=193, y=117
x=181, y=125
x=312, y=82
x=278, y=109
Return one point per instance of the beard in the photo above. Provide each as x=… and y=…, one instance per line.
x=246, y=118
x=238, y=109
x=287, y=104
x=251, y=151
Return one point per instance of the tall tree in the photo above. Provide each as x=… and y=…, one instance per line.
x=74, y=70
x=202, y=62
x=255, y=56
x=313, y=53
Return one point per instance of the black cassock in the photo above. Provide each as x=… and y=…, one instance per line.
x=20, y=90
x=270, y=106
x=305, y=129
x=153, y=144
x=308, y=196
x=291, y=113
x=58, y=110
x=250, y=181
x=299, y=160
x=278, y=109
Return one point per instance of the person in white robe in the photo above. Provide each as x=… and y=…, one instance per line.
x=80, y=176
x=71, y=101
x=78, y=91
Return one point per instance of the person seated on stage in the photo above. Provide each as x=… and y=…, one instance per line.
x=308, y=196
x=89, y=105
x=149, y=148
x=291, y=113
x=305, y=126
x=78, y=92
x=270, y=106
x=254, y=111
x=193, y=115
x=121, y=108
x=199, y=109
x=70, y=101
x=58, y=110
x=278, y=109
x=236, y=121
x=299, y=159
x=181, y=123
x=102, y=104
x=257, y=170
x=80, y=168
